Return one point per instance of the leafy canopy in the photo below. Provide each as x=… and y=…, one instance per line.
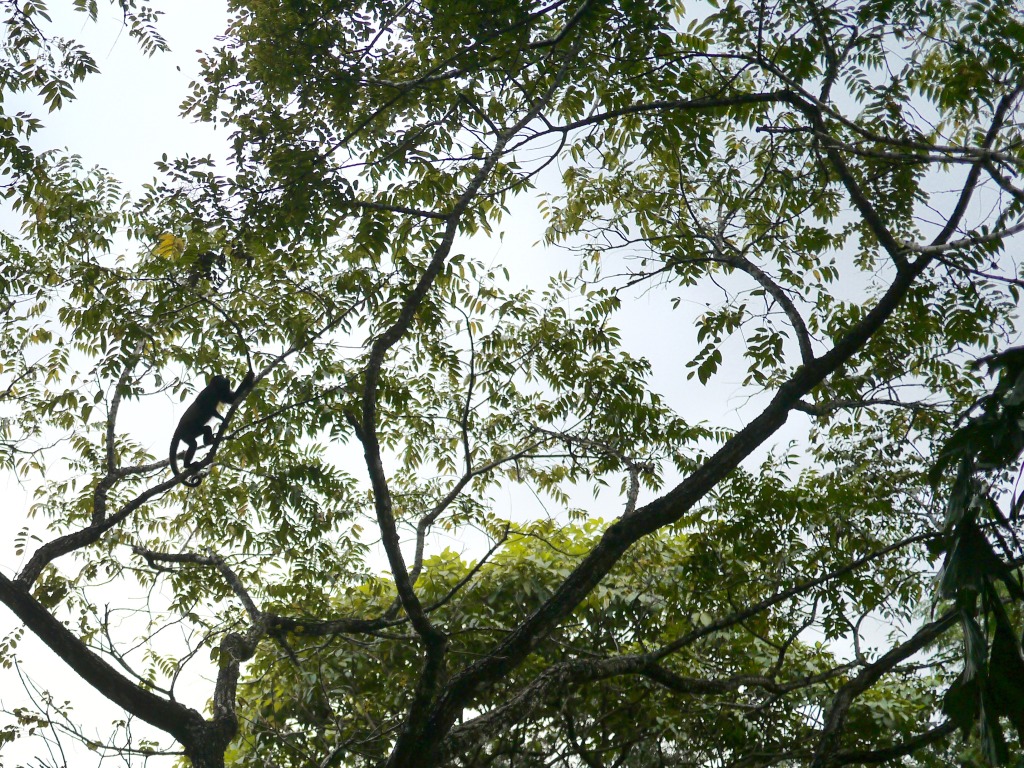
x=456, y=522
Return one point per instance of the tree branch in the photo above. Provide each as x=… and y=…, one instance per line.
x=835, y=718
x=174, y=718
x=896, y=751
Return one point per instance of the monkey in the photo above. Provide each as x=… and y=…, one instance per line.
x=195, y=422
x=208, y=265
x=213, y=265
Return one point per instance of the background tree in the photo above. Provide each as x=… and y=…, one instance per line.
x=833, y=184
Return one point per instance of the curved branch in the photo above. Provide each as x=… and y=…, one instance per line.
x=62, y=545
x=835, y=718
x=971, y=182
x=176, y=719
x=773, y=289
x=416, y=735
x=367, y=431
x=890, y=754
x=449, y=498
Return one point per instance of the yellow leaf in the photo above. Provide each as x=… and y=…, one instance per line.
x=169, y=246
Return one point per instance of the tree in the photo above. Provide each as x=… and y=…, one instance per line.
x=835, y=184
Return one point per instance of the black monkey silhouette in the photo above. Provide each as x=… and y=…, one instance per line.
x=195, y=421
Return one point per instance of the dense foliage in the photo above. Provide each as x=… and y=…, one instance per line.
x=454, y=522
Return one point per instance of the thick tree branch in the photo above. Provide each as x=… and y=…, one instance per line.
x=410, y=740
x=368, y=421
x=62, y=545
x=835, y=718
x=174, y=718
x=896, y=751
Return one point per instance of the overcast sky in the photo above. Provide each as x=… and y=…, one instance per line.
x=128, y=114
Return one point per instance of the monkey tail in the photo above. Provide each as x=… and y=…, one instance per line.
x=174, y=457
x=191, y=482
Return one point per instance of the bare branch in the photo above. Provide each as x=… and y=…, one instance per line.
x=831, y=406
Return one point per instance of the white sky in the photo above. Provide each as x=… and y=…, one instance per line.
x=127, y=115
